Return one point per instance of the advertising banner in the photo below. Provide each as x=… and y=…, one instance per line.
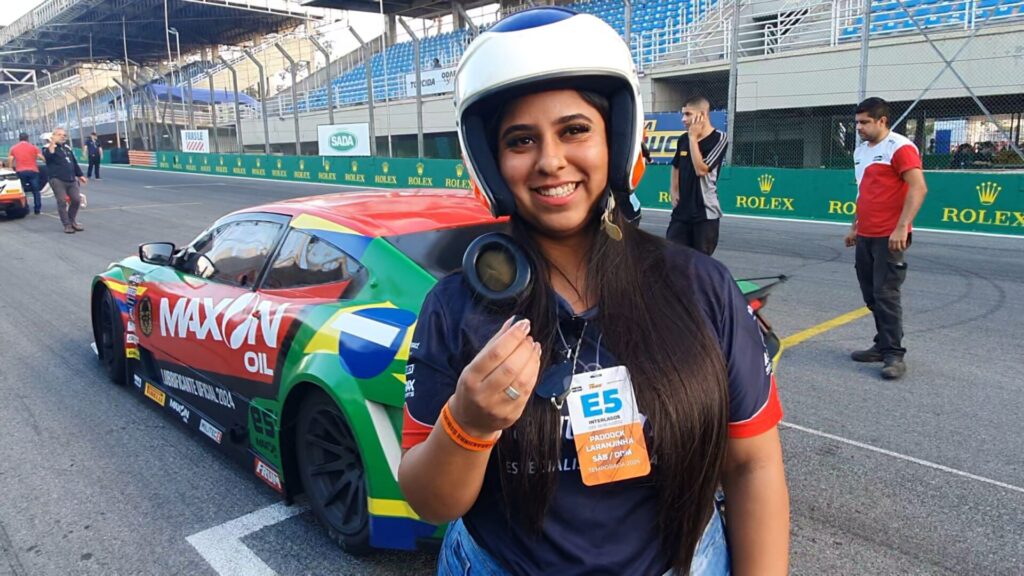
x=195, y=141
x=665, y=128
x=344, y=139
x=432, y=82
x=990, y=202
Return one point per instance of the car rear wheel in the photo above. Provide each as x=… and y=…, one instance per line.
x=332, y=473
x=15, y=213
x=111, y=344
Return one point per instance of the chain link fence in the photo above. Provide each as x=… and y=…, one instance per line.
x=951, y=71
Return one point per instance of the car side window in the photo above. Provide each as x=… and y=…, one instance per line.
x=237, y=251
x=308, y=260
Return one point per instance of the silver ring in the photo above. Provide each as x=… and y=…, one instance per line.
x=512, y=393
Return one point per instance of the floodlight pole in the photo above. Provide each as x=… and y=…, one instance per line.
x=213, y=114
x=330, y=78
x=81, y=128
x=238, y=114
x=865, y=35
x=419, y=90
x=369, y=89
x=295, y=96
x=129, y=123
x=117, y=126
x=263, y=100
x=170, y=92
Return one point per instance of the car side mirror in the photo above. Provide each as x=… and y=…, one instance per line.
x=158, y=253
x=204, y=267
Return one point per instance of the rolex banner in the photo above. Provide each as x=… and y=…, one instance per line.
x=990, y=202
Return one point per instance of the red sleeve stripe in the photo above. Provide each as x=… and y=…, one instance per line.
x=764, y=420
x=413, y=431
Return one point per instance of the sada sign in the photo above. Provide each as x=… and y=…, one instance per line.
x=344, y=139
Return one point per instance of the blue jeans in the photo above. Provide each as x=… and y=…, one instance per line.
x=30, y=179
x=461, y=556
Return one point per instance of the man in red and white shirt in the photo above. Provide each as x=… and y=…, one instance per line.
x=890, y=191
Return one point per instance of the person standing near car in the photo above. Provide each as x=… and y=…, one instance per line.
x=576, y=427
x=94, y=152
x=65, y=177
x=694, y=186
x=22, y=158
x=890, y=191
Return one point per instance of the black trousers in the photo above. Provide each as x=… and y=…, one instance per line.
x=94, y=161
x=881, y=274
x=702, y=236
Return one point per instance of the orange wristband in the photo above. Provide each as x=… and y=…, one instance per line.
x=460, y=437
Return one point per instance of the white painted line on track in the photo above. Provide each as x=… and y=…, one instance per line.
x=95, y=350
x=899, y=456
x=847, y=224
x=133, y=206
x=177, y=186
x=222, y=547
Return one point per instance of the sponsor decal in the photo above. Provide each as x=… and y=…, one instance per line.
x=353, y=176
x=458, y=181
x=988, y=193
x=343, y=141
x=198, y=388
x=155, y=394
x=137, y=380
x=265, y=427
x=210, y=430
x=369, y=339
x=131, y=340
x=268, y=475
x=765, y=183
x=179, y=409
x=146, y=316
x=208, y=319
x=385, y=178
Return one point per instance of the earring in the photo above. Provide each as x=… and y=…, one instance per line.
x=610, y=228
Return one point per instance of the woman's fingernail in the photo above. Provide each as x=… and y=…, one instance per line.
x=537, y=347
x=508, y=322
x=524, y=325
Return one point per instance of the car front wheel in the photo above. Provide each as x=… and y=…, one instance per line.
x=332, y=473
x=111, y=344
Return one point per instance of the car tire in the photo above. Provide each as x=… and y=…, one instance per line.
x=332, y=473
x=15, y=213
x=111, y=339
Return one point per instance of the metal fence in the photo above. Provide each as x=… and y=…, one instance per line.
x=953, y=73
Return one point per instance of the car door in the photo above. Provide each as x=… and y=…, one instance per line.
x=207, y=325
x=306, y=272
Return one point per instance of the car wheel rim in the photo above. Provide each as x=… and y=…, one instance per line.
x=335, y=471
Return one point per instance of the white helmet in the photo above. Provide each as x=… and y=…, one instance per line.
x=542, y=49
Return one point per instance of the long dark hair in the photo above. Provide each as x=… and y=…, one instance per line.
x=651, y=322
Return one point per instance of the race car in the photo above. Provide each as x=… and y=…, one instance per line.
x=281, y=334
x=12, y=197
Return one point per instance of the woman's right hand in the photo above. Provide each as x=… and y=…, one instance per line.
x=481, y=403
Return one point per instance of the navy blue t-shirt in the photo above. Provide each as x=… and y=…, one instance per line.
x=606, y=529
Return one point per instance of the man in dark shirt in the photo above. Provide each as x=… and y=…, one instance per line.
x=694, y=188
x=65, y=176
x=94, y=152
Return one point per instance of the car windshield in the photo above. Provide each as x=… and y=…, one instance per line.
x=440, y=252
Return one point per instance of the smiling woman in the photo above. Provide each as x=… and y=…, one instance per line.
x=585, y=425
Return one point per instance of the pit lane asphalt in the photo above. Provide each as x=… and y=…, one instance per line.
x=94, y=481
